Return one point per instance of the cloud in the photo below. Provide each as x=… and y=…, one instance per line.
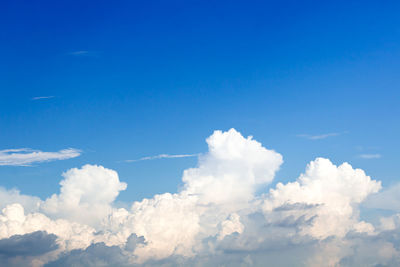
x=7, y=197
x=163, y=156
x=334, y=190
x=95, y=255
x=370, y=156
x=85, y=195
x=32, y=244
x=42, y=97
x=216, y=218
x=27, y=156
x=318, y=137
x=84, y=53
x=26, y=250
x=79, y=53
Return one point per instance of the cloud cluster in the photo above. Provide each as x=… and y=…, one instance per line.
x=217, y=218
x=27, y=156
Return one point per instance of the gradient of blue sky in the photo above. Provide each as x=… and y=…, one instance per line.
x=130, y=79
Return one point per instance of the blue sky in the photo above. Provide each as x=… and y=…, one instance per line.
x=130, y=79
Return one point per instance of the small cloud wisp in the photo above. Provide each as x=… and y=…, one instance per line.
x=27, y=156
x=163, y=156
x=319, y=136
x=370, y=156
x=42, y=97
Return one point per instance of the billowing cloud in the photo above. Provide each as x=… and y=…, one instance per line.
x=27, y=156
x=334, y=190
x=86, y=195
x=7, y=197
x=216, y=218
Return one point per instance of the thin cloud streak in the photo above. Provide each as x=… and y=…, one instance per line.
x=84, y=53
x=79, y=53
x=370, y=156
x=42, y=97
x=27, y=156
x=163, y=156
x=318, y=137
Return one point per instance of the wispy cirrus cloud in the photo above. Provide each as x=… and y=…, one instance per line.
x=370, y=156
x=42, y=97
x=27, y=156
x=163, y=156
x=84, y=53
x=318, y=136
x=79, y=53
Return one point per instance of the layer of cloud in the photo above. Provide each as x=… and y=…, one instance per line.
x=163, y=156
x=27, y=156
x=217, y=218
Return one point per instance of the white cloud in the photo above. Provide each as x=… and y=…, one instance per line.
x=319, y=136
x=216, y=218
x=27, y=156
x=42, y=97
x=333, y=190
x=79, y=53
x=7, y=197
x=370, y=156
x=163, y=156
x=14, y=221
x=85, y=195
x=84, y=53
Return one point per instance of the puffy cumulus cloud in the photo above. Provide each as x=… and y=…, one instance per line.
x=14, y=221
x=224, y=181
x=215, y=219
x=232, y=170
x=334, y=190
x=85, y=195
x=7, y=197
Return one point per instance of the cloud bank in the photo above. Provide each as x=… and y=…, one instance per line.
x=217, y=218
x=27, y=156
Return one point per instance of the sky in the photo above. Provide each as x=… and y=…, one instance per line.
x=144, y=99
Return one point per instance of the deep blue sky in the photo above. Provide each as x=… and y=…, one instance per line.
x=159, y=76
